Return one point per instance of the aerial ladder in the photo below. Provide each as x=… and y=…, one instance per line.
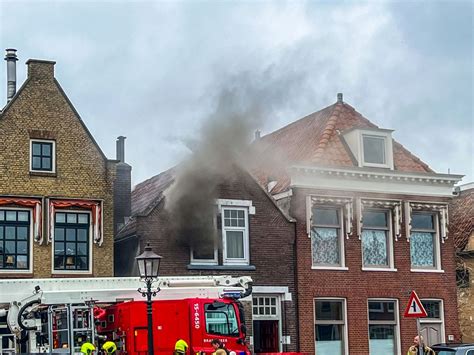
x=40, y=310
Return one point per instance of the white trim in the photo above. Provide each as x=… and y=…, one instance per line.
x=31, y=242
x=396, y=312
x=436, y=245
x=91, y=242
x=345, y=332
x=337, y=268
x=283, y=290
x=441, y=271
x=53, y=156
x=287, y=193
x=378, y=269
x=214, y=261
x=235, y=203
x=468, y=186
x=235, y=261
x=277, y=317
x=368, y=180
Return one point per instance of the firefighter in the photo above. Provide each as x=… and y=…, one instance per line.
x=180, y=347
x=109, y=347
x=87, y=348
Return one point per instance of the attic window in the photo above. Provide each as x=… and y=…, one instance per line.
x=374, y=149
x=42, y=155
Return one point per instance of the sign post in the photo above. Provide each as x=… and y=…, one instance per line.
x=416, y=310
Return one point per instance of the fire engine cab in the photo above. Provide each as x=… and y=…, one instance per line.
x=59, y=315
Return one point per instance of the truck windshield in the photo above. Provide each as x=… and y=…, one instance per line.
x=221, y=319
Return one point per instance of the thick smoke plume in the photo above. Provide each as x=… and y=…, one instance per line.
x=242, y=105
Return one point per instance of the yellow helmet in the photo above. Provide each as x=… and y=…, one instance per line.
x=87, y=348
x=109, y=347
x=181, y=345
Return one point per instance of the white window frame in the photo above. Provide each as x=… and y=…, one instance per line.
x=277, y=316
x=235, y=261
x=91, y=242
x=53, y=155
x=434, y=320
x=397, y=321
x=31, y=242
x=388, y=146
x=436, y=245
x=389, y=236
x=342, y=256
x=330, y=322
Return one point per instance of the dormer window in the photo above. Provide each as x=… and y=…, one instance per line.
x=371, y=147
x=374, y=149
x=42, y=156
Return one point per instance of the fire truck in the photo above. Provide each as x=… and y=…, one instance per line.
x=59, y=315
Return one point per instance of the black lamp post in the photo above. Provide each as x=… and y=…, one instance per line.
x=149, y=267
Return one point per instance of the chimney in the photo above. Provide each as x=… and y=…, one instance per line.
x=121, y=149
x=339, y=98
x=42, y=70
x=122, y=188
x=11, y=58
x=257, y=135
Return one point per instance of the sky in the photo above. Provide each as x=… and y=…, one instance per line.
x=152, y=70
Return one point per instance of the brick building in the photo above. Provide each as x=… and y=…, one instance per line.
x=462, y=230
x=371, y=226
x=259, y=244
x=56, y=185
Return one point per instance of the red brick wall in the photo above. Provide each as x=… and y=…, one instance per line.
x=271, y=245
x=357, y=286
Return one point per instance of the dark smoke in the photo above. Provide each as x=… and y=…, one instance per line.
x=243, y=104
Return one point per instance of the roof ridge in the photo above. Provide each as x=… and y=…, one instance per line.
x=327, y=132
x=307, y=117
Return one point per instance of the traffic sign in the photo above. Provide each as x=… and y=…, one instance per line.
x=414, y=308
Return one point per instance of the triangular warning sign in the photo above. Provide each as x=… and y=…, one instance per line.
x=415, y=309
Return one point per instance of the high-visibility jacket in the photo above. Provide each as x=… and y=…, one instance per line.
x=413, y=350
x=87, y=348
x=181, y=346
x=109, y=347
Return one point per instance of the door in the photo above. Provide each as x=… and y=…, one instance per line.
x=140, y=342
x=431, y=332
x=265, y=336
x=266, y=313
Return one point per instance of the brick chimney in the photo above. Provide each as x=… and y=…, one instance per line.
x=40, y=69
x=122, y=187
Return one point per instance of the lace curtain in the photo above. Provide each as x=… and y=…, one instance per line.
x=422, y=249
x=374, y=245
x=325, y=246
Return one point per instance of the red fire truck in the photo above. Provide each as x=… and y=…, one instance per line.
x=61, y=314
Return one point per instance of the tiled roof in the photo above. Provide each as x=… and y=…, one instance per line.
x=315, y=139
x=461, y=222
x=147, y=194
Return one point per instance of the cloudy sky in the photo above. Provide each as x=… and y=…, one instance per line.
x=151, y=70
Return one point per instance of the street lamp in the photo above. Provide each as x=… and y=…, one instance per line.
x=149, y=267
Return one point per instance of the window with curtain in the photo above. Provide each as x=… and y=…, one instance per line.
x=376, y=243
x=423, y=241
x=329, y=324
x=382, y=327
x=14, y=239
x=235, y=235
x=326, y=236
x=71, y=241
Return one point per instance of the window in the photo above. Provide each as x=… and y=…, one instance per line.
x=14, y=239
x=71, y=241
x=424, y=244
x=383, y=332
x=42, y=156
x=330, y=327
x=374, y=149
x=235, y=235
x=221, y=319
x=376, y=239
x=265, y=306
x=326, y=236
